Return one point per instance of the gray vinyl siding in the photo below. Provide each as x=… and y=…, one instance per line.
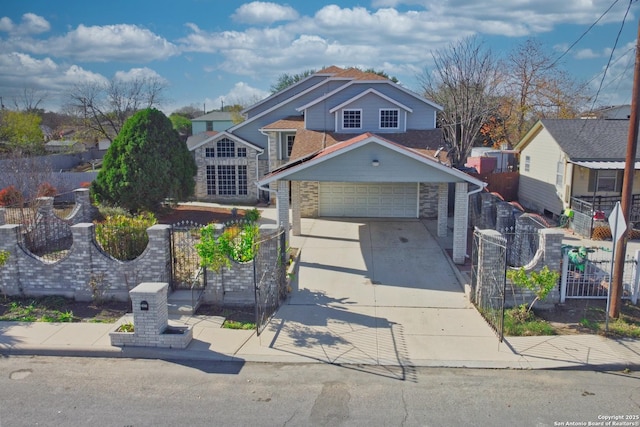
x=291, y=92
x=356, y=166
x=250, y=130
x=319, y=118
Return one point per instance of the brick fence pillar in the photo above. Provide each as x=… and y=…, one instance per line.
x=10, y=271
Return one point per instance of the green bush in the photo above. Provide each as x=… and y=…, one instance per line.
x=252, y=215
x=238, y=243
x=124, y=237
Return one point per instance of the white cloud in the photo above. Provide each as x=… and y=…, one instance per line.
x=259, y=12
x=586, y=54
x=241, y=93
x=122, y=42
x=138, y=74
x=30, y=24
x=19, y=71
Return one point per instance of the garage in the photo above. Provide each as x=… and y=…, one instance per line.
x=368, y=200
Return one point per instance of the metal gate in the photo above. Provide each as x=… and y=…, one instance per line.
x=269, y=269
x=186, y=272
x=488, y=277
x=587, y=274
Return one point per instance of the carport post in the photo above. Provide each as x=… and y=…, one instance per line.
x=296, y=228
x=282, y=205
x=443, y=208
x=460, y=223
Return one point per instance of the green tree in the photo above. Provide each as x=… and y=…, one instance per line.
x=285, y=80
x=145, y=164
x=181, y=124
x=21, y=131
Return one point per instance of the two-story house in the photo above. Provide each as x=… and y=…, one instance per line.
x=340, y=143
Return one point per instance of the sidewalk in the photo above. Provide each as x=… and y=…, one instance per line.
x=356, y=336
x=215, y=344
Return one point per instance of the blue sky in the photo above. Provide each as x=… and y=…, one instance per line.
x=209, y=51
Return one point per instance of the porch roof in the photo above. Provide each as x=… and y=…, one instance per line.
x=605, y=165
x=350, y=161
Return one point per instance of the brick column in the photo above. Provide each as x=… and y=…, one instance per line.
x=149, y=323
x=443, y=208
x=10, y=272
x=156, y=264
x=296, y=208
x=83, y=204
x=487, y=210
x=81, y=251
x=504, y=216
x=2, y=216
x=460, y=223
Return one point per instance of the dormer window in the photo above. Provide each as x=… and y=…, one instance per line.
x=389, y=119
x=352, y=119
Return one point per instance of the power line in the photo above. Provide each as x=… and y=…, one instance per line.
x=584, y=34
x=609, y=62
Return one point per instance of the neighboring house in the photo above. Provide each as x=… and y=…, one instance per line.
x=568, y=163
x=64, y=146
x=614, y=112
x=213, y=121
x=346, y=143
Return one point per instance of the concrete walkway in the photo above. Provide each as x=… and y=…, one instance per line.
x=375, y=295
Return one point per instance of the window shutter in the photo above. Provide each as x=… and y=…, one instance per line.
x=592, y=181
x=619, y=181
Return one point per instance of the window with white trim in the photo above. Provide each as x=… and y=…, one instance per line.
x=607, y=180
x=242, y=151
x=389, y=119
x=560, y=174
x=527, y=163
x=351, y=119
x=210, y=152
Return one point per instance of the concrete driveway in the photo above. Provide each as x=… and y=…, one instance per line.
x=377, y=292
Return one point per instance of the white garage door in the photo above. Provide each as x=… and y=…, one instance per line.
x=368, y=199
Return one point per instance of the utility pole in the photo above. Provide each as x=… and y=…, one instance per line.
x=627, y=188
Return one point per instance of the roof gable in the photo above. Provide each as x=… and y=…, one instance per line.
x=367, y=92
x=584, y=139
x=215, y=136
x=368, y=139
x=386, y=81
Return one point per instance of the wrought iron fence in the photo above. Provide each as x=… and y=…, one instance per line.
x=185, y=235
x=269, y=268
x=488, y=281
x=48, y=239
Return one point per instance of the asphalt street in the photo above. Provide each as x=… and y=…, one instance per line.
x=47, y=391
